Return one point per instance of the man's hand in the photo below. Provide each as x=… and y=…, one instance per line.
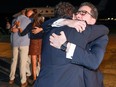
x=78, y=25
x=57, y=40
x=14, y=30
x=36, y=30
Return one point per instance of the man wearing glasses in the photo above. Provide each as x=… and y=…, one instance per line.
x=60, y=69
x=94, y=52
x=84, y=12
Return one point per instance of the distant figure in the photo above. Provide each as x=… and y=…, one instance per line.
x=20, y=46
x=8, y=26
x=35, y=43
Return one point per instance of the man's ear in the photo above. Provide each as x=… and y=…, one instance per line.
x=93, y=21
x=74, y=17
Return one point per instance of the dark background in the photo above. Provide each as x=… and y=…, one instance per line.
x=13, y=6
x=107, y=9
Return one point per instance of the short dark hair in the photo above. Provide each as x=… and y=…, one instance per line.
x=64, y=9
x=94, y=10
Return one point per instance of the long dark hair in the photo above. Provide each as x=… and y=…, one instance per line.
x=38, y=20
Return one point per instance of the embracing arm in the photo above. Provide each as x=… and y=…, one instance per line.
x=81, y=56
x=93, y=57
x=91, y=33
x=15, y=26
x=26, y=30
x=77, y=24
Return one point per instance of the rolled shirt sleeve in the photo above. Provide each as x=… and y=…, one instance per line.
x=70, y=52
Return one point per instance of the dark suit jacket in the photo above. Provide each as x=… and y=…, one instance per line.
x=94, y=54
x=92, y=57
x=56, y=69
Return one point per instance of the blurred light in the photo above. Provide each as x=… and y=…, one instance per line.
x=112, y=18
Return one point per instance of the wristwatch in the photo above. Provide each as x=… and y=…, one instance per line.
x=64, y=46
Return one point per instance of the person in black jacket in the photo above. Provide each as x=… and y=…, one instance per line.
x=58, y=70
x=94, y=52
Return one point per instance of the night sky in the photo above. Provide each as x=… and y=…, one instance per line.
x=13, y=6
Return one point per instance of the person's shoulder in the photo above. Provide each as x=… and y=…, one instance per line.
x=99, y=25
x=20, y=17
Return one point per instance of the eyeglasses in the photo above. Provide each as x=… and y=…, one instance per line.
x=83, y=12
